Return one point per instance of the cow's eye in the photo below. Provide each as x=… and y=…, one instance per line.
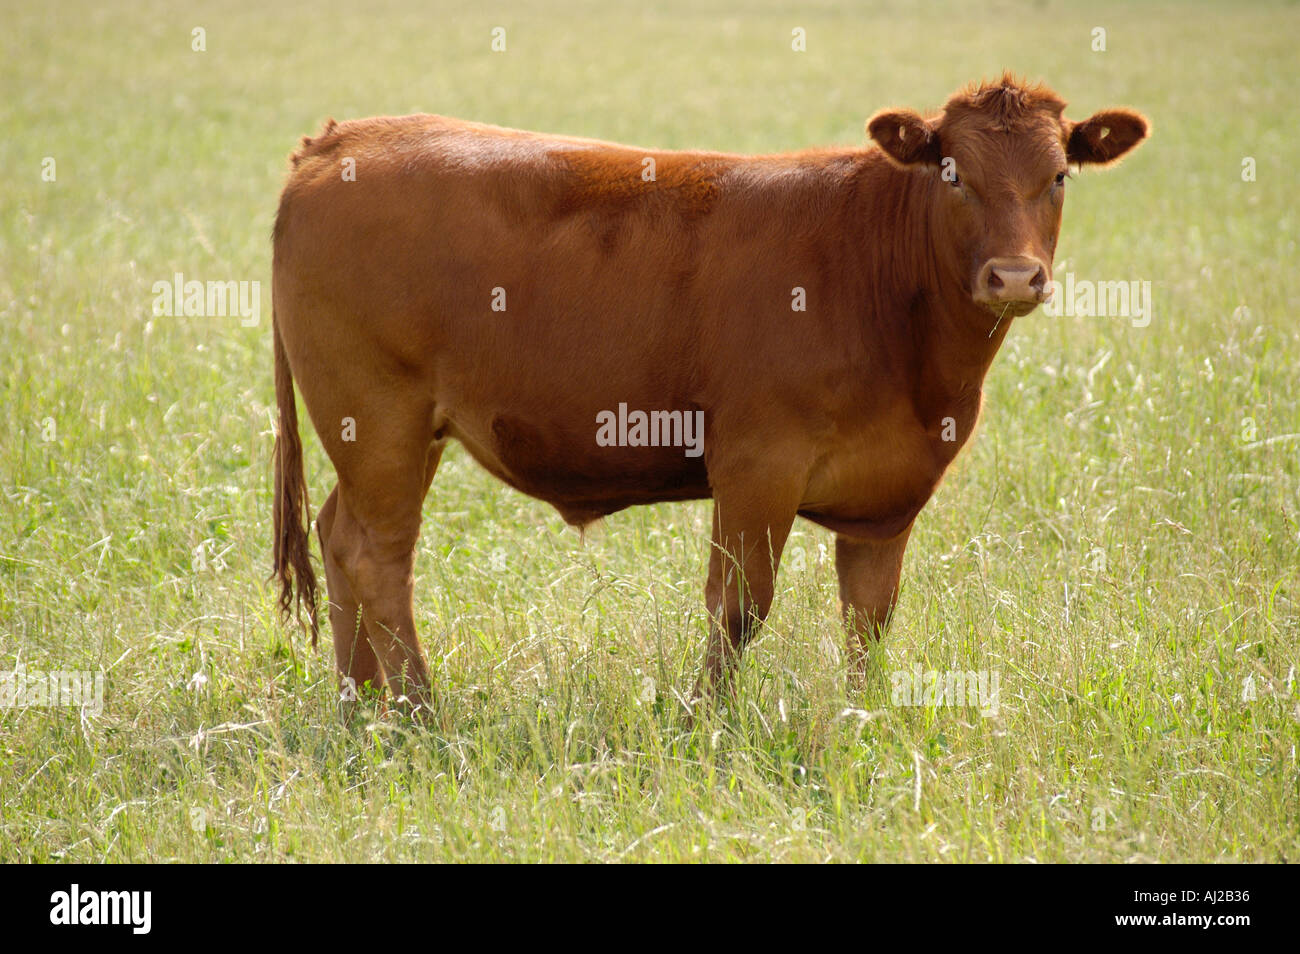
x=955, y=181
x=1060, y=178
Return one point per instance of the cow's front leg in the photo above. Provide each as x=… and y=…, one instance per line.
x=750, y=526
x=868, y=571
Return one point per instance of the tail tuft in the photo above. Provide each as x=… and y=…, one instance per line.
x=290, y=515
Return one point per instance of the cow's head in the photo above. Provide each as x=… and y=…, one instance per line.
x=999, y=155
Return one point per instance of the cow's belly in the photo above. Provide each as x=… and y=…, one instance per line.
x=559, y=461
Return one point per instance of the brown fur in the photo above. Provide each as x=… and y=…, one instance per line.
x=1006, y=103
x=666, y=295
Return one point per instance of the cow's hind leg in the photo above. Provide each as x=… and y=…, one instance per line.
x=372, y=542
x=353, y=653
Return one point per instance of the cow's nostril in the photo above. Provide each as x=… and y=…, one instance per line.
x=1040, y=280
x=995, y=280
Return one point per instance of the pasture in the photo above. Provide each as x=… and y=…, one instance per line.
x=1119, y=544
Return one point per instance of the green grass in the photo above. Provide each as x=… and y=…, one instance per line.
x=1117, y=543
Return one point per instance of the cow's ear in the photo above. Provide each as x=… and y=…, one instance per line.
x=905, y=137
x=1105, y=136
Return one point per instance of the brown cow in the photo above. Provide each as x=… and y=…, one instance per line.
x=570, y=310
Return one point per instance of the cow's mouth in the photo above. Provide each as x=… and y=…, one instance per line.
x=1011, y=309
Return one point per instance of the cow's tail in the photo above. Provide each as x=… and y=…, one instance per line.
x=292, y=560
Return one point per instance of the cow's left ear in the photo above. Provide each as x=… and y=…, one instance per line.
x=905, y=137
x=1105, y=136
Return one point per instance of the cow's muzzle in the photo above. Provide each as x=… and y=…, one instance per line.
x=1012, y=286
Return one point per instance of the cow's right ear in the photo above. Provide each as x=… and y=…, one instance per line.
x=905, y=137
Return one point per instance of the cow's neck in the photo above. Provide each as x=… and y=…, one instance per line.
x=964, y=338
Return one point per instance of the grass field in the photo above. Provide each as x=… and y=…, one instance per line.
x=1120, y=542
